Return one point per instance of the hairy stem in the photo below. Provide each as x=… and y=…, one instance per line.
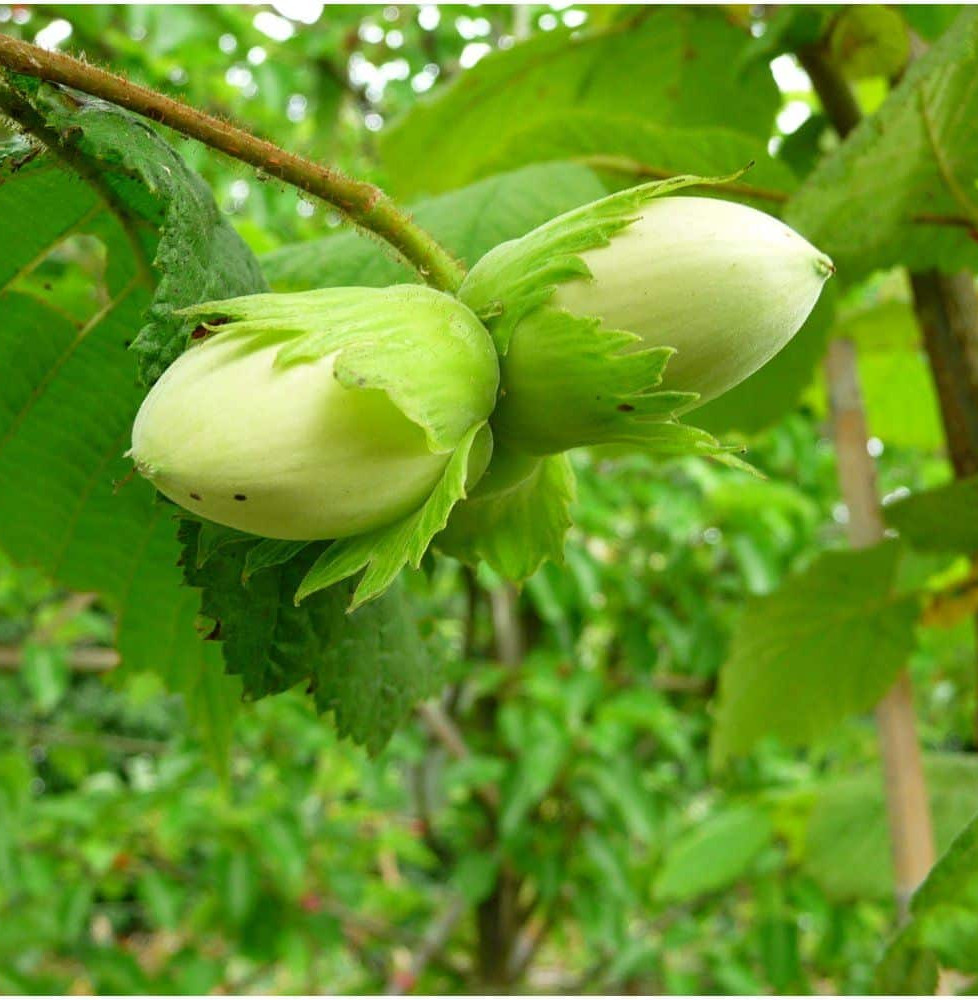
x=363, y=204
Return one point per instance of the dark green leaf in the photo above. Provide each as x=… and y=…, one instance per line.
x=367, y=667
x=70, y=389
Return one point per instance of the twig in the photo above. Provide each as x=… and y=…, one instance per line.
x=447, y=733
x=627, y=165
x=507, y=624
x=53, y=734
x=683, y=684
x=832, y=88
x=497, y=915
x=937, y=219
x=85, y=659
x=404, y=980
x=443, y=729
x=947, y=311
x=906, y=789
x=946, y=307
x=363, y=204
x=72, y=606
x=528, y=943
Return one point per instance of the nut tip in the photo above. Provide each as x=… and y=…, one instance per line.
x=824, y=266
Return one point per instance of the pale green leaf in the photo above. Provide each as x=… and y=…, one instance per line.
x=665, y=65
x=847, y=841
x=626, y=149
x=825, y=646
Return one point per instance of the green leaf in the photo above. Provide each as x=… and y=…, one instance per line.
x=889, y=380
x=787, y=28
x=368, y=667
x=386, y=551
x=825, y=646
x=624, y=149
x=714, y=855
x=916, y=155
x=69, y=391
x=161, y=897
x=669, y=65
x=45, y=674
x=939, y=520
x=888, y=325
x=475, y=875
x=847, y=839
x=195, y=252
x=943, y=930
x=520, y=200
x=213, y=537
x=515, y=529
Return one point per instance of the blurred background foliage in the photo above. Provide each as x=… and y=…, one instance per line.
x=580, y=840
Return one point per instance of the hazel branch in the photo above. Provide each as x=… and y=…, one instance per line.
x=363, y=204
